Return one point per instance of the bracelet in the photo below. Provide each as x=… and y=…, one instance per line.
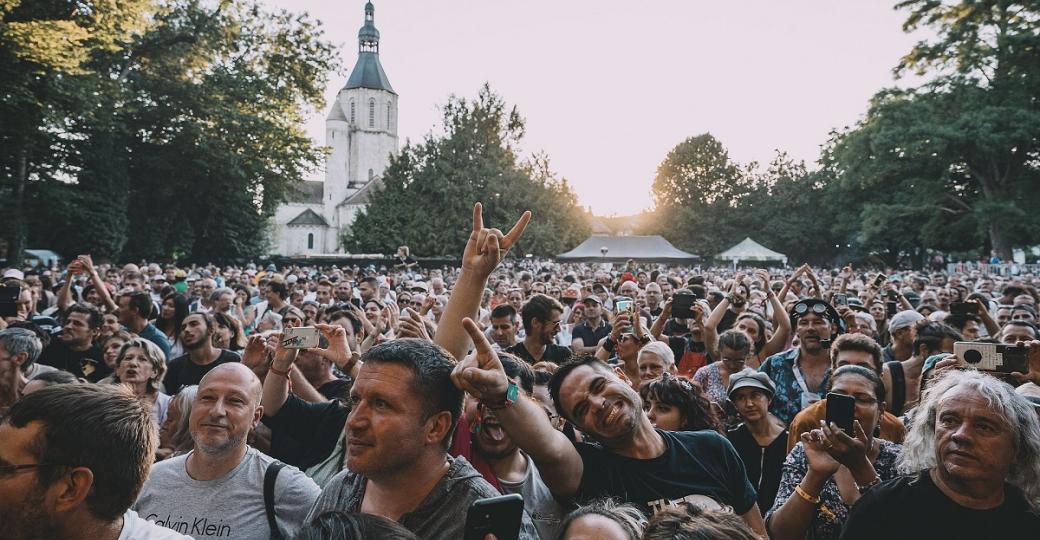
x=285, y=374
x=806, y=497
x=868, y=485
x=512, y=394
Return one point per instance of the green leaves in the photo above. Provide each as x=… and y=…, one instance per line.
x=428, y=190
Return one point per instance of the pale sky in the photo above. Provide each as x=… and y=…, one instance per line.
x=609, y=87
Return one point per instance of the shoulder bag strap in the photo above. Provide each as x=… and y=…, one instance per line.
x=270, y=476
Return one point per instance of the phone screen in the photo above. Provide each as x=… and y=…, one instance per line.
x=841, y=411
x=841, y=299
x=880, y=280
x=682, y=306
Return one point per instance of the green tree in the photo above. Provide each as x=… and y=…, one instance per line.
x=188, y=138
x=697, y=193
x=427, y=191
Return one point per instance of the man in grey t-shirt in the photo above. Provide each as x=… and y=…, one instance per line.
x=404, y=408
x=217, y=489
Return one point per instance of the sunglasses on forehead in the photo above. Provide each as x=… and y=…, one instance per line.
x=802, y=308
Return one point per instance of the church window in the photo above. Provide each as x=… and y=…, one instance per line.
x=389, y=115
x=372, y=113
x=310, y=240
x=353, y=111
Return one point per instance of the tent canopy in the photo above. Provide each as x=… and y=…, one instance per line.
x=749, y=250
x=622, y=248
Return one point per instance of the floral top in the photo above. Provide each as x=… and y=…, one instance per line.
x=831, y=514
x=788, y=399
x=710, y=381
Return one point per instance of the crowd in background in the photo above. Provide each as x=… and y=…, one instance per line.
x=632, y=400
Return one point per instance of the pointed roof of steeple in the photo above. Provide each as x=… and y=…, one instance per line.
x=368, y=72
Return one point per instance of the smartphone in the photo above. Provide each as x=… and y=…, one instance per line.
x=841, y=410
x=992, y=356
x=500, y=516
x=682, y=306
x=892, y=308
x=879, y=281
x=623, y=304
x=304, y=337
x=964, y=308
x=840, y=299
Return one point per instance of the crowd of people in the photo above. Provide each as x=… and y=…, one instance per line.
x=636, y=401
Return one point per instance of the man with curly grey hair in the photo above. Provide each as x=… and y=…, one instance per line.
x=972, y=457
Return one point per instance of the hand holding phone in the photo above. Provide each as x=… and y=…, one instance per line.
x=841, y=411
x=304, y=337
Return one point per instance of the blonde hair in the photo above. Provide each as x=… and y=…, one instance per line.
x=154, y=355
x=661, y=350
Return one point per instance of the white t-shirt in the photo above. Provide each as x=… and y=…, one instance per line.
x=135, y=528
x=228, y=507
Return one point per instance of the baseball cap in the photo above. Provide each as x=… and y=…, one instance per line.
x=592, y=297
x=570, y=292
x=291, y=279
x=904, y=319
x=14, y=273
x=753, y=378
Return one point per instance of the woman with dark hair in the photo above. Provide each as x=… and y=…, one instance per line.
x=761, y=439
x=734, y=352
x=172, y=312
x=673, y=403
x=227, y=333
x=827, y=470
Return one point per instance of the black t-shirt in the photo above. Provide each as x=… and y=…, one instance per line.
x=728, y=319
x=303, y=434
x=764, y=465
x=693, y=463
x=89, y=364
x=181, y=371
x=553, y=353
x=912, y=507
x=336, y=389
x=590, y=336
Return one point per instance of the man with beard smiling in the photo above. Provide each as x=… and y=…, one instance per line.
x=72, y=460
x=201, y=357
x=218, y=489
x=801, y=373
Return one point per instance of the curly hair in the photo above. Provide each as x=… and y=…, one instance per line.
x=919, y=449
x=625, y=515
x=690, y=522
x=683, y=394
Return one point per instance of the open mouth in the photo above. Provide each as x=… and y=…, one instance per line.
x=493, y=430
x=131, y=373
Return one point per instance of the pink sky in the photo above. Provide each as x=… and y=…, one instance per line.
x=609, y=87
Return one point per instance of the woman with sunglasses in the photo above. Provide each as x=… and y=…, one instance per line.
x=627, y=339
x=763, y=345
x=828, y=469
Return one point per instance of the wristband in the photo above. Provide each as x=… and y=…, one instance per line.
x=512, y=394
x=868, y=485
x=806, y=497
x=285, y=374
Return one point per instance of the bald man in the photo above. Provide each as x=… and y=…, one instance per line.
x=217, y=489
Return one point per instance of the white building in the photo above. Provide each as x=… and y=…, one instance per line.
x=361, y=136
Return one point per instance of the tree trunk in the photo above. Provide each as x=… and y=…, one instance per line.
x=999, y=242
x=16, y=213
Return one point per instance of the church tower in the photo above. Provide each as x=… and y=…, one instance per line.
x=360, y=131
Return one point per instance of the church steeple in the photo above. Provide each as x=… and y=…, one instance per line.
x=368, y=72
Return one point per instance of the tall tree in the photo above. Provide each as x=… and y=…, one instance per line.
x=428, y=190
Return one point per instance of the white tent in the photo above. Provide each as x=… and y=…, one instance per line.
x=750, y=251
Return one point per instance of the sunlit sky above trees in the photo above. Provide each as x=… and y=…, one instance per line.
x=609, y=87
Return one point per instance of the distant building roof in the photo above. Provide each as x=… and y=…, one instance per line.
x=308, y=217
x=362, y=195
x=308, y=192
x=622, y=248
x=368, y=72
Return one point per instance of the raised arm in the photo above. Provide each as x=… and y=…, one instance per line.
x=485, y=249
x=482, y=376
x=276, y=384
x=65, y=294
x=661, y=320
x=87, y=264
x=781, y=322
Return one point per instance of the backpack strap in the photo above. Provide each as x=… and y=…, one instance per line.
x=270, y=476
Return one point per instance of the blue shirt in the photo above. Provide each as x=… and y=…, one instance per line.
x=151, y=333
x=788, y=399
